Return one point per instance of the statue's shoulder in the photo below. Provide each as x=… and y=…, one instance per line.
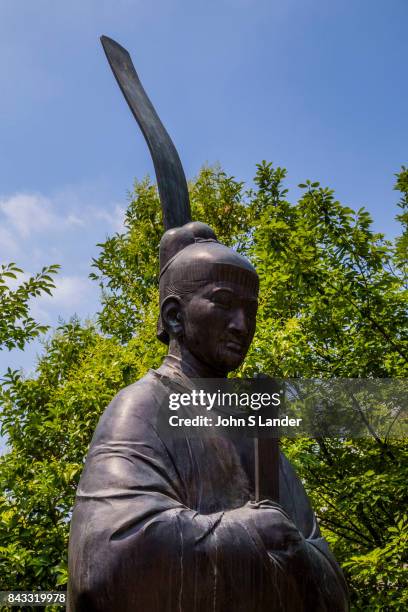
x=143, y=393
x=134, y=409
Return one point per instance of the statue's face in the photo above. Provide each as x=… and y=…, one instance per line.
x=219, y=323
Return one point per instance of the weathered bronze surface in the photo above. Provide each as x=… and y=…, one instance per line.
x=169, y=524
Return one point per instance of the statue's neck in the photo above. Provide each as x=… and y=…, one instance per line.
x=183, y=360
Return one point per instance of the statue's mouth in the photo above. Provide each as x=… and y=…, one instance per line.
x=235, y=346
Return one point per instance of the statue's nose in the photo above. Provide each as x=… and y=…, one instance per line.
x=238, y=322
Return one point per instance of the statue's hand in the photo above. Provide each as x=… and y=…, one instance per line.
x=268, y=521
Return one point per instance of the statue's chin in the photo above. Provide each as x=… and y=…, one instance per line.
x=230, y=359
x=223, y=359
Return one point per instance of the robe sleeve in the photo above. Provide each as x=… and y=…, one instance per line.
x=135, y=546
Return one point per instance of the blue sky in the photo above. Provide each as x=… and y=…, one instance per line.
x=318, y=87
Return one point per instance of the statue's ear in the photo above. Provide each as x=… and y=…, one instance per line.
x=171, y=316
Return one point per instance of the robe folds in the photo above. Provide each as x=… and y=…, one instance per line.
x=167, y=524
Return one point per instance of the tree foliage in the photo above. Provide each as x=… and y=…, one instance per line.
x=16, y=325
x=333, y=304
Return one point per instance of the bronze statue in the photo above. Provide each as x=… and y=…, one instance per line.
x=170, y=524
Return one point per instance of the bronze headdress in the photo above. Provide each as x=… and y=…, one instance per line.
x=192, y=245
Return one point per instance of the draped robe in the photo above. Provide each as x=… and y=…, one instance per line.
x=167, y=524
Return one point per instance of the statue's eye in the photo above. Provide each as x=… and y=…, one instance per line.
x=222, y=298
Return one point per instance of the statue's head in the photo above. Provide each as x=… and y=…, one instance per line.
x=208, y=297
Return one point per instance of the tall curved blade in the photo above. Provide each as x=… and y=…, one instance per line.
x=169, y=171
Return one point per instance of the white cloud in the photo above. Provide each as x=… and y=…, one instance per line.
x=28, y=213
x=115, y=216
x=75, y=220
x=8, y=245
x=33, y=216
x=70, y=292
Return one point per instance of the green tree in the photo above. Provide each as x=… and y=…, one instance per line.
x=16, y=325
x=401, y=245
x=333, y=304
